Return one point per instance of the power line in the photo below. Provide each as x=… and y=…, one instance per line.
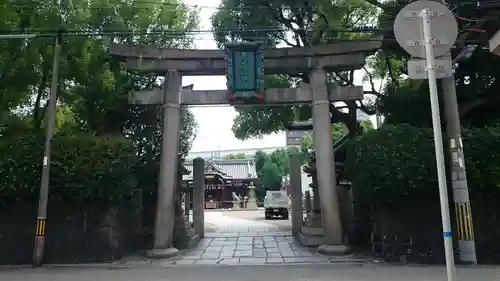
x=17, y=36
x=44, y=32
x=136, y=5
x=338, y=28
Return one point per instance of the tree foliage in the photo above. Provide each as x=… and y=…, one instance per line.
x=404, y=101
x=93, y=87
x=339, y=130
x=271, y=168
x=399, y=100
x=293, y=23
x=236, y=156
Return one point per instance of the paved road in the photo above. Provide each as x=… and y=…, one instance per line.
x=261, y=252
x=254, y=273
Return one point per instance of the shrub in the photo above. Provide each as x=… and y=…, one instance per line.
x=83, y=168
x=397, y=163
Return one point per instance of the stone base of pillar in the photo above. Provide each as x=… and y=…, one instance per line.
x=313, y=220
x=313, y=231
x=162, y=253
x=192, y=241
x=186, y=236
x=252, y=205
x=192, y=237
x=333, y=250
x=311, y=237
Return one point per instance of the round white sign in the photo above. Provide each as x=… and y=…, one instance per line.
x=409, y=33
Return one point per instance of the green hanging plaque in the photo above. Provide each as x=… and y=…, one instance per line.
x=245, y=73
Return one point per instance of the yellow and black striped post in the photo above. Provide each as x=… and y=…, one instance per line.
x=40, y=227
x=465, y=230
x=39, y=245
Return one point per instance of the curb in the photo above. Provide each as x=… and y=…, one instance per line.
x=90, y=265
x=69, y=266
x=346, y=263
x=175, y=265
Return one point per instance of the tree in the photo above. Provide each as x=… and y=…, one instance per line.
x=236, y=156
x=271, y=168
x=399, y=100
x=93, y=115
x=270, y=176
x=339, y=130
x=366, y=125
x=404, y=101
x=279, y=18
x=93, y=88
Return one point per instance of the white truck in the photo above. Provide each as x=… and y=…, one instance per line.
x=276, y=203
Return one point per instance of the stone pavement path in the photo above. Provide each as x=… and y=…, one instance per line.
x=255, y=249
x=244, y=238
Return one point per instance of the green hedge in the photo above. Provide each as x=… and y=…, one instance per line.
x=397, y=163
x=84, y=168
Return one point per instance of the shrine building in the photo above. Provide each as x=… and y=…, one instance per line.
x=222, y=178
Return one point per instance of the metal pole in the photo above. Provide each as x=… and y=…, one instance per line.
x=45, y=181
x=438, y=144
x=466, y=243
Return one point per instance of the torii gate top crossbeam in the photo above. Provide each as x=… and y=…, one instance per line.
x=345, y=55
x=343, y=47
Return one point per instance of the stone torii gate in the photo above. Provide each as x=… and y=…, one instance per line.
x=317, y=61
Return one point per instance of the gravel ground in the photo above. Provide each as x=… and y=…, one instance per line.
x=258, y=216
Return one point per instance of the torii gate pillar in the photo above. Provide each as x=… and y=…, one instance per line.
x=165, y=209
x=325, y=165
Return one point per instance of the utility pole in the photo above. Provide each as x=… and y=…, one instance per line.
x=465, y=230
x=465, y=235
x=45, y=181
